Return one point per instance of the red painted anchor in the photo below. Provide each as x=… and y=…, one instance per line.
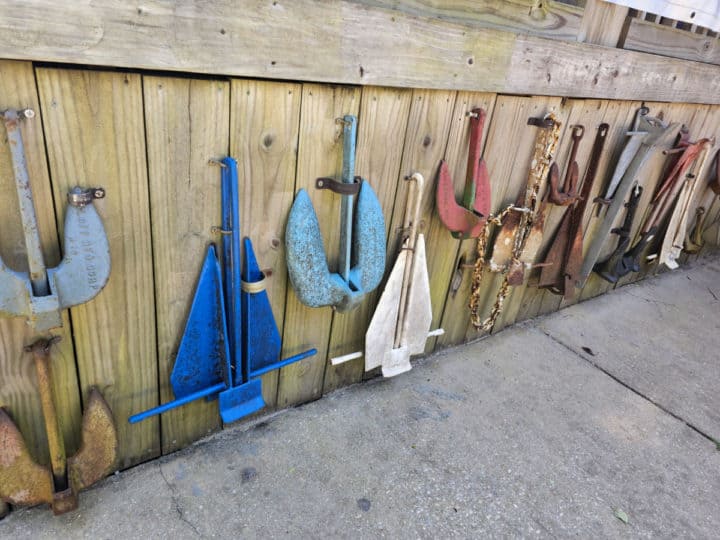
x=466, y=221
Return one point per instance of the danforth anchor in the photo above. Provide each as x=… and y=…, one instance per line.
x=230, y=337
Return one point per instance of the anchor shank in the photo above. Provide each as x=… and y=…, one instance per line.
x=346, y=208
x=412, y=216
x=36, y=263
x=41, y=355
x=477, y=122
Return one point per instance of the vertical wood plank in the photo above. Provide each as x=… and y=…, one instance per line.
x=264, y=139
x=319, y=154
x=455, y=315
x=381, y=129
x=508, y=153
x=95, y=136
x=18, y=382
x=186, y=123
x=602, y=23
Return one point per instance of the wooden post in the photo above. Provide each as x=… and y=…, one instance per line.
x=603, y=23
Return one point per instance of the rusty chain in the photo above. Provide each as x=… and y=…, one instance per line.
x=545, y=145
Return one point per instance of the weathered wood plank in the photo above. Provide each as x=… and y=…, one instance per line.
x=186, y=123
x=508, y=152
x=264, y=139
x=94, y=130
x=319, y=154
x=18, y=382
x=359, y=44
x=652, y=38
x=431, y=115
x=602, y=23
x=383, y=118
x=551, y=19
x=455, y=315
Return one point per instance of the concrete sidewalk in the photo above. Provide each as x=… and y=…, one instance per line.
x=548, y=429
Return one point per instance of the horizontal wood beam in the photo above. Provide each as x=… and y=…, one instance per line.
x=348, y=42
x=662, y=40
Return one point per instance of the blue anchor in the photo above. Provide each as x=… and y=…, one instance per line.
x=362, y=240
x=230, y=337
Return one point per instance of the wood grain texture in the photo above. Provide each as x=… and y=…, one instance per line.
x=95, y=136
x=264, y=139
x=653, y=38
x=508, y=152
x=319, y=154
x=602, y=23
x=549, y=18
x=186, y=123
x=431, y=115
x=455, y=315
x=359, y=43
x=18, y=381
x=381, y=130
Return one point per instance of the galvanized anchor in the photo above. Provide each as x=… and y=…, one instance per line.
x=41, y=294
x=468, y=220
x=402, y=319
x=362, y=239
x=23, y=481
x=230, y=337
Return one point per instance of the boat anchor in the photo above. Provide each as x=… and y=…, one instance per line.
x=230, y=337
x=468, y=219
x=25, y=482
x=402, y=319
x=41, y=294
x=362, y=239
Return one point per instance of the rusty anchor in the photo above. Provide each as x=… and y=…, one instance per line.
x=41, y=294
x=25, y=482
x=466, y=220
x=568, y=194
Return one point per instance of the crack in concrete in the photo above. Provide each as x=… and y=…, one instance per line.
x=626, y=385
x=176, y=503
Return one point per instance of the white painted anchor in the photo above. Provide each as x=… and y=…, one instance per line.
x=42, y=293
x=402, y=319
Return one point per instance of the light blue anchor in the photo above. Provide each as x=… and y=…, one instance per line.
x=362, y=239
x=42, y=293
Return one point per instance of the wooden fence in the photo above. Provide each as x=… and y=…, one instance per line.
x=147, y=139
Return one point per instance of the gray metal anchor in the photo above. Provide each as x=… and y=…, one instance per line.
x=42, y=293
x=362, y=239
